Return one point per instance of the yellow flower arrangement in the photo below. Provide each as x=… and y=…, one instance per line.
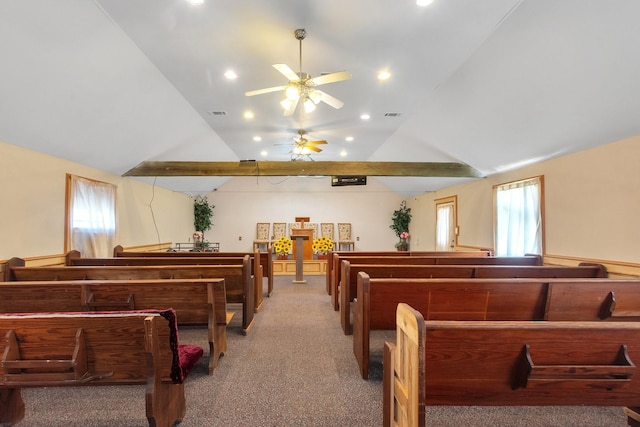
x=283, y=245
x=322, y=245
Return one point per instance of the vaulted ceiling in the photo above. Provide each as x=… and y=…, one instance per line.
x=491, y=85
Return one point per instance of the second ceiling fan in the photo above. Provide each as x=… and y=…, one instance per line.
x=302, y=87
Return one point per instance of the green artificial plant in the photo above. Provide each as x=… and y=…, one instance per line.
x=202, y=214
x=401, y=219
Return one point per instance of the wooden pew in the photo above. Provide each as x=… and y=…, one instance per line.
x=423, y=260
x=511, y=363
x=195, y=301
x=74, y=259
x=349, y=273
x=449, y=299
x=91, y=349
x=237, y=278
x=266, y=259
x=333, y=261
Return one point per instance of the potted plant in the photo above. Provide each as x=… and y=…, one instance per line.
x=282, y=247
x=400, y=224
x=322, y=246
x=202, y=214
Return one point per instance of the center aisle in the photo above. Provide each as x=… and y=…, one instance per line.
x=295, y=368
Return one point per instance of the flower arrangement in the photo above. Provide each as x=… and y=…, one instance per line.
x=198, y=236
x=322, y=245
x=283, y=245
x=403, y=245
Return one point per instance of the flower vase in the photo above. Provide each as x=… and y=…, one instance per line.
x=282, y=257
x=322, y=256
x=404, y=245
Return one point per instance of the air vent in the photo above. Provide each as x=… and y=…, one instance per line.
x=218, y=113
x=392, y=114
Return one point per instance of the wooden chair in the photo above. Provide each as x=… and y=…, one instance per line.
x=344, y=236
x=293, y=225
x=262, y=236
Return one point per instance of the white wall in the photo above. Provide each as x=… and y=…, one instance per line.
x=243, y=201
x=33, y=205
x=591, y=202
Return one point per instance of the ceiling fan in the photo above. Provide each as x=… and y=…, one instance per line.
x=302, y=87
x=303, y=148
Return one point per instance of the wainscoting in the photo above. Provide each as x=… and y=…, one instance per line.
x=311, y=267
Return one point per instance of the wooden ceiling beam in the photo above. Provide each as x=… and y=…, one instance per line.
x=303, y=168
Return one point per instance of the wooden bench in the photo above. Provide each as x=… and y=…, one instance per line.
x=195, y=301
x=237, y=278
x=74, y=259
x=333, y=258
x=349, y=273
x=266, y=259
x=442, y=299
x=91, y=349
x=513, y=363
x=423, y=260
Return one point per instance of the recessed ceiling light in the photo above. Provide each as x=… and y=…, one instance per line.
x=257, y=138
x=231, y=75
x=264, y=153
x=343, y=153
x=384, y=75
x=196, y=2
x=365, y=117
x=349, y=138
x=424, y=2
x=248, y=115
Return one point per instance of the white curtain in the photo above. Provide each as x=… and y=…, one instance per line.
x=519, y=218
x=92, y=217
x=444, y=227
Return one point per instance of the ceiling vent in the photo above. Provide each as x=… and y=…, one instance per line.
x=218, y=113
x=392, y=114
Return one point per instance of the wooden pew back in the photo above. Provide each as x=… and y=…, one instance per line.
x=195, y=301
x=333, y=258
x=336, y=279
x=86, y=349
x=507, y=363
x=441, y=299
x=593, y=299
x=266, y=258
x=349, y=276
x=238, y=282
x=73, y=258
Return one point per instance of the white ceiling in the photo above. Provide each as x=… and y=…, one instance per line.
x=495, y=84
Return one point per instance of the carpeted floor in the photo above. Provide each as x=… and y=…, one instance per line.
x=295, y=368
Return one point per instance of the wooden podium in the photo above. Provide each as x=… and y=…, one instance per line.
x=307, y=243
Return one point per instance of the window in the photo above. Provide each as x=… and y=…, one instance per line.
x=519, y=225
x=446, y=223
x=91, y=217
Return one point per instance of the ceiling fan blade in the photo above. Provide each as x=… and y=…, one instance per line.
x=287, y=72
x=313, y=148
x=267, y=90
x=330, y=100
x=289, y=111
x=317, y=142
x=331, y=78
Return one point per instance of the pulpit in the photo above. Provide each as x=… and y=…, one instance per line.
x=307, y=242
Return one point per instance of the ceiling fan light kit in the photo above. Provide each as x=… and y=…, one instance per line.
x=301, y=86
